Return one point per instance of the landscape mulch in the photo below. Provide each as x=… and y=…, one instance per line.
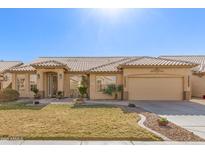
x=171, y=131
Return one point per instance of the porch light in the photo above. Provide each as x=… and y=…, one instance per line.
x=5, y=78
x=60, y=76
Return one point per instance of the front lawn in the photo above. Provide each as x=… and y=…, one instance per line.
x=70, y=122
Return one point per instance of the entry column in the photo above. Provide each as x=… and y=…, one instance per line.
x=61, y=81
x=14, y=86
x=40, y=83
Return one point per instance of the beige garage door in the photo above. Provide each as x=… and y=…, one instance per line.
x=155, y=88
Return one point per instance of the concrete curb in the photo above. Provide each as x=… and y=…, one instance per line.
x=74, y=142
x=141, y=124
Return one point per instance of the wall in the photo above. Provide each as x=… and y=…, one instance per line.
x=42, y=84
x=198, y=86
x=26, y=92
x=67, y=82
x=100, y=95
x=6, y=83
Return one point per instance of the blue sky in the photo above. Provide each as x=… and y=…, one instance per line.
x=26, y=34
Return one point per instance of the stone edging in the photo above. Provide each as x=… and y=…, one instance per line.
x=141, y=124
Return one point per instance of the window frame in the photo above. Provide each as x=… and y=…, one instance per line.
x=96, y=84
x=18, y=83
x=30, y=85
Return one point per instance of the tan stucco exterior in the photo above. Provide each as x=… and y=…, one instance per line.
x=26, y=92
x=6, y=80
x=183, y=73
x=122, y=78
x=94, y=94
x=198, y=85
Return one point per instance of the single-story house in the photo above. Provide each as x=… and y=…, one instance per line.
x=143, y=78
x=6, y=77
x=198, y=72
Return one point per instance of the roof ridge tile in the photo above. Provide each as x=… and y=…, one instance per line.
x=182, y=56
x=113, y=62
x=47, y=61
x=176, y=60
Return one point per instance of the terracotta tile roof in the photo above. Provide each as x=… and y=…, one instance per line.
x=152, y=61
x=23, y=68
x=112, y=67
x=5, y=65
x=198, y=59
x=48, y=63
x=97, y=64
x=81, y=64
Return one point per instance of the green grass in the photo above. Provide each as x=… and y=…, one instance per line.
x=69, y=122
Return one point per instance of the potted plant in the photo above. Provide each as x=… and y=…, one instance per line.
x=36, y=93
x=163, y=121
x=59, y=95
x=36, y=96
x=113, y=89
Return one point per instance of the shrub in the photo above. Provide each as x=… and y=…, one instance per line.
x=59, y=95
x=8, y=95
x=82, y=90
x=113, y=89
x=163, y=121
x=131, y=105
x=36, y=93
x=35, y=90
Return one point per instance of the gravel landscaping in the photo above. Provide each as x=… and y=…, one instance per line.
x=171, y=131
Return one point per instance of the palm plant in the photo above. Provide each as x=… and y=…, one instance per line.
x=113, y=89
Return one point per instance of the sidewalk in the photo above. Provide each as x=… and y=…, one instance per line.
x=58, y=142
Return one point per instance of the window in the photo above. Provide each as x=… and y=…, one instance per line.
x=33, y=82
x=103, y=81
x=21, y=82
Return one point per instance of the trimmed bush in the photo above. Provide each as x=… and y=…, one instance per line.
x=131, y=105
x=113, y=89
x=8, y=95
x=163, y=121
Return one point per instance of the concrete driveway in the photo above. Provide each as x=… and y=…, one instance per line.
x=187, y=114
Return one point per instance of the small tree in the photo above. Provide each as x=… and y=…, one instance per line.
x=82, y=90
x=83, y=86
x=113, y=89
x=36, y=93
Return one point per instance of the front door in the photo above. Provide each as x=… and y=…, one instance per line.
x=52, y=84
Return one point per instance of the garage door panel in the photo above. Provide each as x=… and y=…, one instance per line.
x=155, y=88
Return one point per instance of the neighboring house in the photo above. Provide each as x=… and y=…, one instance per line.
x=198, y=73
x=5, y=77
x=143, y=78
